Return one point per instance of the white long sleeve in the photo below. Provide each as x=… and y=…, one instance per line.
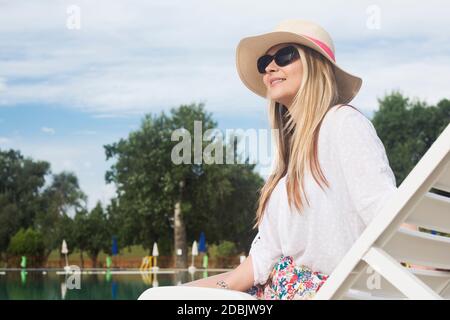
x=266, y=247
x=354, y=162
x=362, y=157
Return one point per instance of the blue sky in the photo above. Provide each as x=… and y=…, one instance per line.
x=64, y=93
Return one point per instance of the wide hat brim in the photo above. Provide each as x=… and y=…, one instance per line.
x=250, y=49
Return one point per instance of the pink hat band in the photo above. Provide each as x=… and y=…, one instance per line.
x=323, y=46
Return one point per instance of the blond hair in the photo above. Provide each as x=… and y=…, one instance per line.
x=298, y=130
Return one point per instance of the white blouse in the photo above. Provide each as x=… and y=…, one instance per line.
x=354, y=161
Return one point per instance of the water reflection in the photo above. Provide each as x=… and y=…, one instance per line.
x=114, y=286
x=105, y=285
x=23, y=277
x=63, y=290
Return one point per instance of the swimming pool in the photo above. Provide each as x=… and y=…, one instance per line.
x=94, y=284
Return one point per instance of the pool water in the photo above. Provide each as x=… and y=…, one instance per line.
x=18, y=285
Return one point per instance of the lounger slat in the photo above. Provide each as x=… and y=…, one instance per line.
x=446, y=292
x=354, y=294
x=420, y=248
x=433, y=212
x=443, y=183
x=371, y=282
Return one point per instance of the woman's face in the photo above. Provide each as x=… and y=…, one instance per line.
x=284, y=91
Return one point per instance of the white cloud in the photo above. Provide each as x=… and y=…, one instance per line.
x=385, y=69
x=135, y=57
x=48, y=130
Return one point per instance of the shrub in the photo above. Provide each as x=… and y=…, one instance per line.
x=222, y=250
x=28, y=243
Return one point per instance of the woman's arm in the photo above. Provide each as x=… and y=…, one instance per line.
x=362, y=157
x=240, y=279
x=209, y=282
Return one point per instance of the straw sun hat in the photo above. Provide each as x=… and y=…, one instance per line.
x=301, y=32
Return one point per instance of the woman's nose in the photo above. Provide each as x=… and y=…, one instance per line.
x=272, y=66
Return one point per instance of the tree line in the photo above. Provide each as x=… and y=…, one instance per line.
x=156, y=200
x=171, y=204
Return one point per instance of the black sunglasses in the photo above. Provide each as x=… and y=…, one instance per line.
x=283, y=57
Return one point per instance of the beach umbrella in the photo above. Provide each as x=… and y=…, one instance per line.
x=194, y=249
x=108, y=262
x=115, y=247
x=202, y=242
x=155, y=253
x=65, y=250
x=23, y=262
x=194, y=253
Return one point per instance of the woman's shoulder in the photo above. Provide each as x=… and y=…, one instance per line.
x=349, y=128
x=342, y=111
x=343, y=115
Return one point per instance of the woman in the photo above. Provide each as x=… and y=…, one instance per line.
x=331, y=177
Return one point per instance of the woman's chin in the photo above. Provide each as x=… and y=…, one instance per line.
x=279, y=100
x=276, y=97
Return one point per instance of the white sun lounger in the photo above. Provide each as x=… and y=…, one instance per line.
x=385, y=243
x=372, y=269
x=192, y=293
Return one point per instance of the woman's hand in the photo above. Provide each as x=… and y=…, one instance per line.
x=241, y=278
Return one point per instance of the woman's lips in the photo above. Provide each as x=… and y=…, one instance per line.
x=275, y=82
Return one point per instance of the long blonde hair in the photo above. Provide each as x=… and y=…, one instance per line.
x=298, y=130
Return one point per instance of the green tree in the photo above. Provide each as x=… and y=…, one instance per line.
x=233, y=216
x=21, y=183
x=408, y=129
x=91, y=233
x=98, y=233
x=65, y=230
x=157, y=198
x=63, y=197
x=9, y=223
x=80, y=233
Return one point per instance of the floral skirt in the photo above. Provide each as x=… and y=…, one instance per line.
x=288, y=281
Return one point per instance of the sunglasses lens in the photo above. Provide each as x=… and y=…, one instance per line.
x=285, y=56
x=263, y=62
x=282, y=57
